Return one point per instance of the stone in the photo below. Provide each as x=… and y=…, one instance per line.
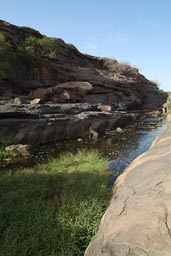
x=80, y=139
x=41, y=93
x=84, y=86
x=105, y=108
x=119, y=130
x=45, y=123
x=20, y=101
x=65, y=95
x=23, y=150
x=93, y=134
x=36, y=101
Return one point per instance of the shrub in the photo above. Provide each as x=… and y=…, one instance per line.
x=44, y=47
x=5, y=57
x=4, y=155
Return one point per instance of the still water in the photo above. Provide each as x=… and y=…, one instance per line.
x=119, y=148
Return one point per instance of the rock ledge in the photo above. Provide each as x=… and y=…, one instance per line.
x=138, y=220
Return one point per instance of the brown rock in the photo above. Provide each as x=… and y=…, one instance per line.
x=90, y=79
x=23, y=150
x=119, y=130
x=78, y=87
x=105, y=108
x=65, y=95
x=43, y=94
x=36, y=101
x=20, y=101
x=93, y=134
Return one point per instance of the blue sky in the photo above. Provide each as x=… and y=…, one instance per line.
x=134, y=31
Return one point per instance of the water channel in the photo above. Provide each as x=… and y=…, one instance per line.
x=119, y=148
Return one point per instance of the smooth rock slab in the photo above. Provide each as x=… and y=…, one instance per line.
x=138, y=220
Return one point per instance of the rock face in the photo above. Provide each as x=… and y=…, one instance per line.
x=43, y=123
x=138, y=220
x=69, y=96
x=75, y=77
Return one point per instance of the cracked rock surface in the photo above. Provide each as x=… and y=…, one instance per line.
x=138, y=220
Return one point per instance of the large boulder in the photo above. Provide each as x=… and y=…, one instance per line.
x=79, y=88
x=41, y=93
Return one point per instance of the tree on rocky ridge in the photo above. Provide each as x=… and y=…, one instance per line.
x=44, y=47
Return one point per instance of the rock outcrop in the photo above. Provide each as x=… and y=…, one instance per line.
x=138, y=220
x=43, y=123
x=106, y=81
x=43, y=99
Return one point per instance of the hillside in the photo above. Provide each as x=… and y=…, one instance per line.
x=30, y=69
x=49, y=91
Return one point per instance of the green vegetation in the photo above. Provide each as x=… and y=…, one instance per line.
x=5, y=155
x=30, y=48
x=39, y=47
x=55, y=208
x=5, y=57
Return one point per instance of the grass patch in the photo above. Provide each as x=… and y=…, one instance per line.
x=4, y=154
x=53, y=209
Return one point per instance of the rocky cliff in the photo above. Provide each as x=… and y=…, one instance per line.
x=116, y=84
x=50, y=91
x=138, y=220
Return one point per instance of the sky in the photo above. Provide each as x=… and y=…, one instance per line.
x=133, y=31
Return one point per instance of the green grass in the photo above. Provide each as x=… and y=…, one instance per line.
x=4, y=154
x=53, y=209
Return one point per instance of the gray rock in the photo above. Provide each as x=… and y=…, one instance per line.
x=138, y=219
x=39, y=124
x=86, y=86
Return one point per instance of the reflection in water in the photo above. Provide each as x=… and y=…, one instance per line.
x=119, y=148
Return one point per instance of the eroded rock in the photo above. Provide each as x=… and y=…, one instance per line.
x=43, y=123
x=87, y=79
x=138, y=219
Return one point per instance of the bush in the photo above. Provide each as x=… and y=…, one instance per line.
x=44, y=47
x=4, y=154
x=5, y=57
